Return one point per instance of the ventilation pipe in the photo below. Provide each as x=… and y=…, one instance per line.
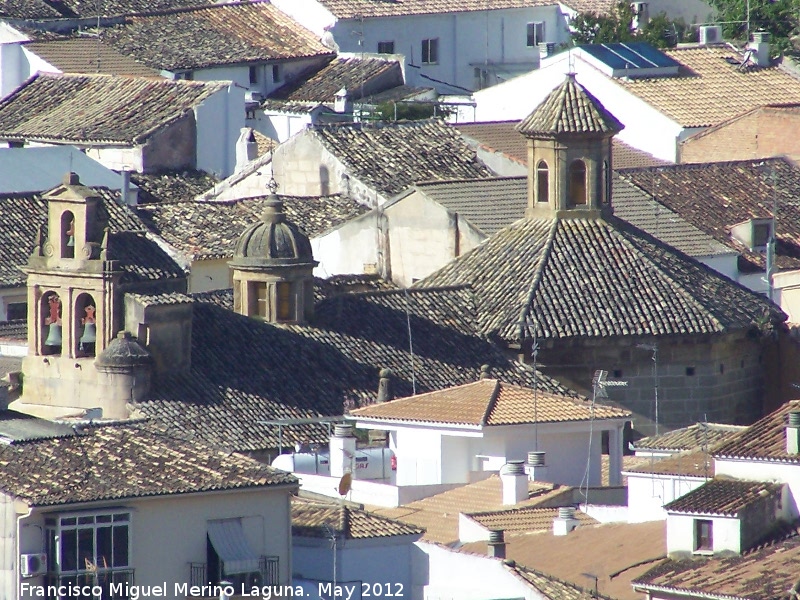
x=497, y=544
x=565, y=521
x=760, y=48
x=537, y=470
x=342, y=450
x=514, y=481
x=793, y=433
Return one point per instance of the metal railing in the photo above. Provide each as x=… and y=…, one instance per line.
x=268, y=574
x=121, y=580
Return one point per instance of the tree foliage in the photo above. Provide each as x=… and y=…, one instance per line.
x=593, y=28
x=778, y=17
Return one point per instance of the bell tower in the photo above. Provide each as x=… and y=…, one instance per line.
x=569, y=154
x=273, y=269
x=72, y=299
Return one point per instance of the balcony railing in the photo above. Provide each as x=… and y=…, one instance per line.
x=268, y=574
x=104, y=579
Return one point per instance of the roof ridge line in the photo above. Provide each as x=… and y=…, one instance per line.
x=537, y=278
x=492, y=403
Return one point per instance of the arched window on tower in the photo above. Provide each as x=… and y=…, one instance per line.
x=67, y=235
x=284, y=301
x=577, y=183
x=50, y=309
x=606, y=183
x=85, y=325
x=542, y=182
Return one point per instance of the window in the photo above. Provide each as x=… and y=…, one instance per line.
x=535, y=33
x=259, y=300
x=690, y=371
x=67, y=235
x=283, y=293
x=542, y=182
x=253, y=74
x=89, y=549
x=761, y=233
x=430, y=51
x=51, y=318
x=16, y=311
x=386, y=47
x=606, y=183
x=276, y=73
x=577, y=183
x=703, y=540
x=186, y=75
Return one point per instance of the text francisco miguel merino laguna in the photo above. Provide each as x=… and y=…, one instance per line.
x=164, y=590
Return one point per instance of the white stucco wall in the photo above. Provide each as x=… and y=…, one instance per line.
x=645, y=127
x=478, y=577
x=369, y=561
x=787, y=293
x=118, y=158
x=220, y=119
x=8, y=546
x=208, y=275
x=648, y=493
x=168, y=533
x=310, y=13
x=726, y=534
x=726, y=264
x=279, y=126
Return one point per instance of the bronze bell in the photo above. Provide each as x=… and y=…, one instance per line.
x=89, y=334
x=53, y=335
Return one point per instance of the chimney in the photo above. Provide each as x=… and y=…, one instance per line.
x=497, y=544
x=342, y=449
x=537, y=470
x=380, y=437
x=126, y=196
x=246, y=148
x=793, y=433
x=486, y=372
x=341, y=103
x=565, y=521
x=514, y=481
x=760, y=48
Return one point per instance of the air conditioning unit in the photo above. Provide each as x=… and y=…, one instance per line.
x=710, y=34
x=31, y=565
x=251, y=96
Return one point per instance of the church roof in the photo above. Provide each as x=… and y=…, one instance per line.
x=245, y=371
x=569, y=109
x=596, y=278
x=139, y=257
x=272, y=240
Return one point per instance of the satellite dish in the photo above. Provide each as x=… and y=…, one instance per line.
x=345, y=483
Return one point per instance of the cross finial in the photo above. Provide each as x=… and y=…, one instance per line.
x=272, y=186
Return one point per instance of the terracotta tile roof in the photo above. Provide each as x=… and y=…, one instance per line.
x=600, y=7
x=160, y=299
x=502, y=136
x=214, y=35
x=88, y=55
x=244, y=371
x=569, y=109
x=391, y=156
x=16, y=426
x=398, y=93
x=39, y=9
x=710, y=89
x=732, y=192
x=640, y=209
x=350, y=9
x=596, y=278
x=209, y=229
x=693, y=437
x=529, y=519
x=487, y=402
x=628, y=463
x=725, y=497
x=109, y=109
x=14, y=330
x=345, y=284
x=310, y=520
x=359, y=76
x=766, y=573
x=613, y=552
x=687, y=464
x=140, y=258
x=438, y=515
x=488, y=204
x=123, y=461
x=166, y=187
x=763, y=440
x=555, y=589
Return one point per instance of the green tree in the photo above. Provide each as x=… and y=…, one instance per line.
x=593, y=28
x=778, y=17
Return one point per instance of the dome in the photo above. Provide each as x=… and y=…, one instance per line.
x=123, y=352
x=273, y=241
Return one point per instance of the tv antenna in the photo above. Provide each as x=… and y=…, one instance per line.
x=654, y=349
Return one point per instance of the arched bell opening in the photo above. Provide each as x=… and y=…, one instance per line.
x=577, y=183
x=85, y=326
x=542, y=182
x=50, y=311
x=67, y=235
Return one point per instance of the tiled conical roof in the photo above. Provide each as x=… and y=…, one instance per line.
x=569, y=109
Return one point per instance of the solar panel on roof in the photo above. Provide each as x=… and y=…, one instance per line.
x=631, y=56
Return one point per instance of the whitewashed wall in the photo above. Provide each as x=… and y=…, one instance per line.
x=208, y=275
x=648, y=493
x=220, y=119
x=170, y=532
x=726, y=533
